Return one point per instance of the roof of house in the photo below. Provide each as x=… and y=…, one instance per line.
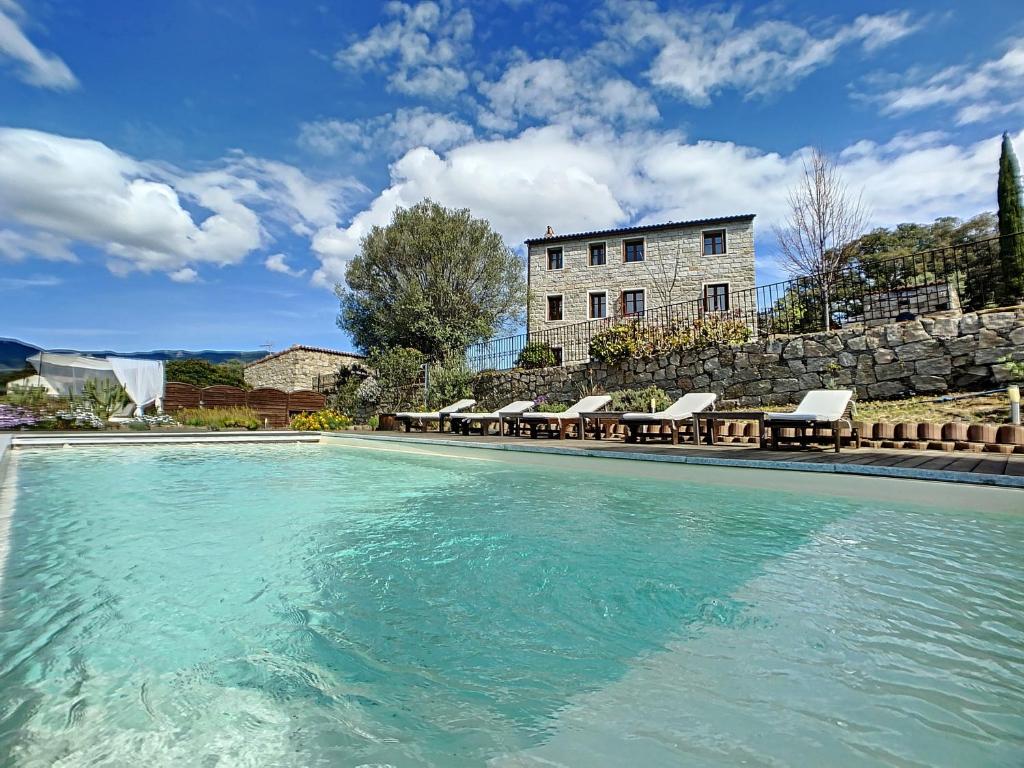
x=647, y=228
x=304, y=348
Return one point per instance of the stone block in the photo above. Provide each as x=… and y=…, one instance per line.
x=928, y=383
x=893, y=371
x=919, y=350
x=846, y=360
x=884, y=356
x=810, y=381
x=905, y=333
x=794, y=349
x=998, y=321
x=969, y=324
x=814, y=349
x=936, y=366
x=797, y=366
x=886, y=389
x=857, y=343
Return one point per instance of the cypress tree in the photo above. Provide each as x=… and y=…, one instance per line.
x=1011, y=224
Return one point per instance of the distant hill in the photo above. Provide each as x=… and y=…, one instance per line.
x=13, y=354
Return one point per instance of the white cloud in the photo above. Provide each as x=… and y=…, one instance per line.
x=392, y=134
x=421, y=50
x=17, y=246
x=700, y=53
x=33, y=66
x=987, y=90
x=278, y=262
x=36, y=281
x=599, y=180
x=184, y=275
x=576, y=92
x=56, y=191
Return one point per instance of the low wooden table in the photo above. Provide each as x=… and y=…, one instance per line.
x=711, y=418
x=597, y=417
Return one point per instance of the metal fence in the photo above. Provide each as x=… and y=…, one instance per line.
x=871, y=291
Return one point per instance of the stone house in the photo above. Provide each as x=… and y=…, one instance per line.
x=297, y=367
x=622, y=272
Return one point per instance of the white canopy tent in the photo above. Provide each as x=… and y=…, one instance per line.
x=66, y=374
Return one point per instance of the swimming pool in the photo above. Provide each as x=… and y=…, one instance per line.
x=320, y=605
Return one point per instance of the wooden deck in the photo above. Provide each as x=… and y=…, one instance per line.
x=868, y=460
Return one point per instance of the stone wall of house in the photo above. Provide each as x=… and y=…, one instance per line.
x=674, y=269
x=927, y=356
x=295, y=368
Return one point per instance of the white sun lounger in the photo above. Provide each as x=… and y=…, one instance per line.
x=408, y=417
x=819, y=407
x=464, y=421
x=675, y=416
x=566, y=419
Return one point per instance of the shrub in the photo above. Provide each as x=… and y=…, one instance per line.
x=220, y=418
x=536, y=354
x=639, y=400
x=104, y=397
x=29, y=397
x=544, y=405
x=202, y=373
x=325, y=420
x=395, y=385
x=448, y=380
x=634, y=340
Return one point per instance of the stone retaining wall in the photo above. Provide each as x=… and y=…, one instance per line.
x=927, y=356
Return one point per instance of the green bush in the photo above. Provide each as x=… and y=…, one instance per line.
x=105, y=398
x=27, y=397
x=396, y=383
x=448, y=380
x=536, y=354
x=639, y=400
x=202, y=373
x=220, y=418
x=544, y=405
x=634, y=340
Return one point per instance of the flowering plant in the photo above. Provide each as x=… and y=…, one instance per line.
x=321, y=421
x=15, y=417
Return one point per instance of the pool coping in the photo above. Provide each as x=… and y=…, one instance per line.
x=61, y=439
x=908, y=473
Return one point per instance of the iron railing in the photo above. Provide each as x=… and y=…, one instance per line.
x=968, y=276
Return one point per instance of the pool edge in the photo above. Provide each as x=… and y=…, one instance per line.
x=907, y=473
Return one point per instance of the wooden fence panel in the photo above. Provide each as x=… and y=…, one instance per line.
x=305, y=400
x=270, y=404
x=223, y=396
x=178, y=395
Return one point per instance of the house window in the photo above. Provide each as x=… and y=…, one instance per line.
x=597, y=255
x=598, y=305
x=716, y=297
x=554, y=307
x=714, y=242
x=633, y=250
x=558, y=355
x=633, y=302
x=554, y=258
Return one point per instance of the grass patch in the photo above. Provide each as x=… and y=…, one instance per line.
x=220, y=418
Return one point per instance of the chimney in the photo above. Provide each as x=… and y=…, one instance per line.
x=550, y=232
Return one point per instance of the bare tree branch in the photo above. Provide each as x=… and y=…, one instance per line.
x=824, y=219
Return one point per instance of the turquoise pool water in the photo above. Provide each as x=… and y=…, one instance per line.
x=333, y=606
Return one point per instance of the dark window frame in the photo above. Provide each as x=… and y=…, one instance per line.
x=713, y=235
x=604, y=254
x=634, y=241
x=714, y=297
x=561, y=259
x=561, y=307
x=590, y=304
x=633, y=294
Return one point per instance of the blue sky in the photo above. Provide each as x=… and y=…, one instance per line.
x=197, y=173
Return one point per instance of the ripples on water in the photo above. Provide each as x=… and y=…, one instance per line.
x=311, y=606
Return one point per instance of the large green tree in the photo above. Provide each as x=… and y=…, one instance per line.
x=1011, y=224
x=435, y=279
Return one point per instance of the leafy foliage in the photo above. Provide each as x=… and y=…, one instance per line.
x=220, y=418
x=325, y=420
x=635, y=340
x=396, y=383
x=202, y=373
x=30, y=397
x=435, y=279
x=16, y=417
x=536, y=354
x=640, y=400
x=449, y=380
x=105, y=397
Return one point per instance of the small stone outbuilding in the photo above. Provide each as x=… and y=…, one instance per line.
x=297, y=367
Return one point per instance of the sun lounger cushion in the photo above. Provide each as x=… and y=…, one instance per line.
x=512, y=409
x=817, y=405
x=453, y=408
x=683, y=408
x=592, y=403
